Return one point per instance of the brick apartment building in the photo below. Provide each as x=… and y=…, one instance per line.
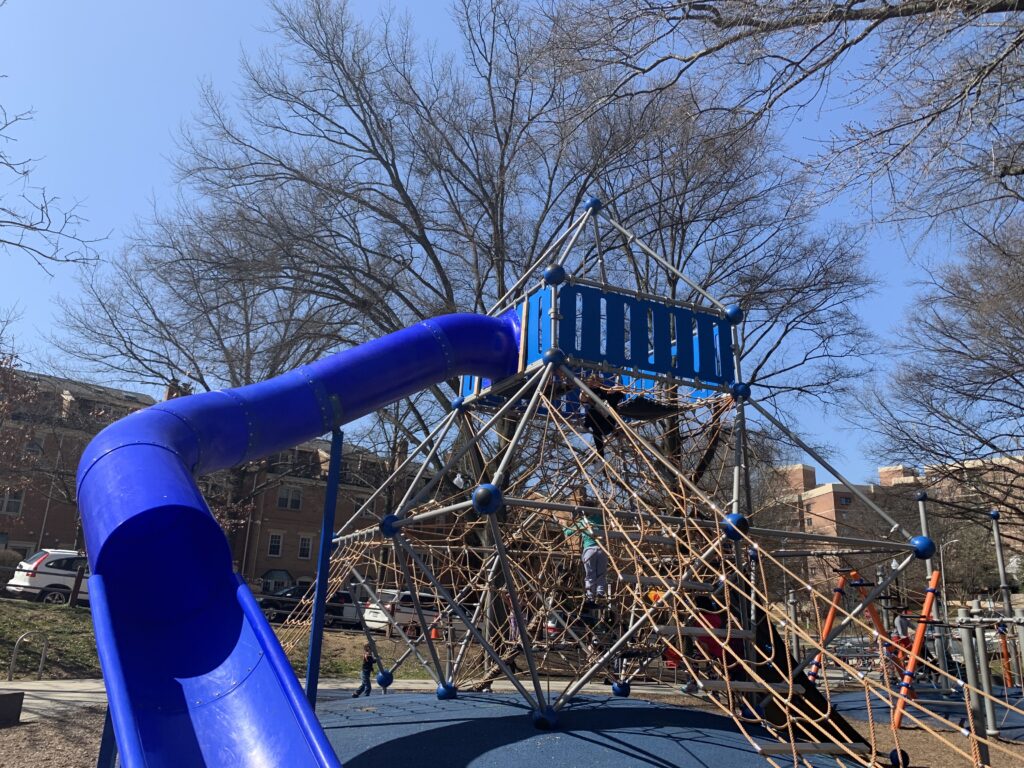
x=833, y=509
x=276, y=544
x=46, y=422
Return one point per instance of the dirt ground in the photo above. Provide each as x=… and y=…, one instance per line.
x=70, y=740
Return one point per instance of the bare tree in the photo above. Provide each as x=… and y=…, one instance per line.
x=365, y=179
x=935, y=84
x=167, y=312
x=33, y=222
x=16, y=397
x=953, y=403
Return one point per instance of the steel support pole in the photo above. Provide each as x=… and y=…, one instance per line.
x=984, y=671
x=973, y=698
x=1004, y=590
x=108, y=744
x=794, y=637
x=938, y=637
x=323, y=567
x=446, y=596
x=434, y=438
x=1018, y=615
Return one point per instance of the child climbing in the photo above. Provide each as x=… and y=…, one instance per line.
x=588, y=525
x=366, y=670
x=597, y=423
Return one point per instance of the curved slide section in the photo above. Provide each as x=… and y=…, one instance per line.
x=194, y=674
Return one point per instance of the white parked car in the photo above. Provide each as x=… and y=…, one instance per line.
x=401, y=608
x=49, y=576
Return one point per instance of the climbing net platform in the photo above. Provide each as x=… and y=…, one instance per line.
x=591, y=519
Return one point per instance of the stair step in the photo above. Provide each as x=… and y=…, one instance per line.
x=667, y=630
x=657, y=581
x=747, y=685
x=812, y=748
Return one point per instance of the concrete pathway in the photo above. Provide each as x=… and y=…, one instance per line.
x=47, y=698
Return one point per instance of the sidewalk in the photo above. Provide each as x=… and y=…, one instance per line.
x=45, y=699
x=49, y=698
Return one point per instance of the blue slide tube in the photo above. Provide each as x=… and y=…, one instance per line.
x=193, y=672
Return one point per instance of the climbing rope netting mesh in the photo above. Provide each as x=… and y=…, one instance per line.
x=474, y=598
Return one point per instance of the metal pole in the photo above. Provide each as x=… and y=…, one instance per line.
x=879, y=575
x=971, y=673
x=942, y=568
x=446, y=596
x=108, y=744
x=938, y=642
x=1018, y=615
x=434, y=439
x=1004, y=587
x=323, y=567
x=794, y=638
x=984, y=672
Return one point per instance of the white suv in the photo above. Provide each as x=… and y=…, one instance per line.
x=401, y=608
x=49, y=576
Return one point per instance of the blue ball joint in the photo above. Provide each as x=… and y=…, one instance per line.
x=734, y=314
x=734, y=526
x=921, y=496
x=447, y=692
x=544, y=719
x=994, y=514
x=457, y=403
x=898, y=758
x=388, y=528
x=553, y=356
x=487, y=499
x=740, y=390
x=385, y=679
x=621, y=689
x=923, y=547
x=554, y=274
x=592, y=204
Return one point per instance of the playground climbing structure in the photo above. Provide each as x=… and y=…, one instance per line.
x=588, y=401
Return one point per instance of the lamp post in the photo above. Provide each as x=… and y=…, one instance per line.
x=942, y=568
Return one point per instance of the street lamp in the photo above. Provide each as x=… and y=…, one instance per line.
x=942, y=570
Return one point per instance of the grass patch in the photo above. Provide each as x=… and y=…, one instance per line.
x=71, y=652
x=72, y=646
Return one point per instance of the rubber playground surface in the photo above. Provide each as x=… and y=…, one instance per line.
x=492, y=730
x=1010, y=724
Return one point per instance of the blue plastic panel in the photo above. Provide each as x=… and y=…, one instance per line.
x=639, y=336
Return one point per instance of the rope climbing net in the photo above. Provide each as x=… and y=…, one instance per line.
x=612, y=537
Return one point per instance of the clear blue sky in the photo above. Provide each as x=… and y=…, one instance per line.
x=111, y=83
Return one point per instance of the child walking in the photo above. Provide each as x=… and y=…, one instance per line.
x=367, y=669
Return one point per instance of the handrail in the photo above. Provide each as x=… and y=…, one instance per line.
x=42, y=656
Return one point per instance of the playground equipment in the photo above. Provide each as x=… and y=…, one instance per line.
x=582, y=409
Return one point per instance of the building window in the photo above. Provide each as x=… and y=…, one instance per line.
x=10, y=502
x=845, y=501
x=275, y=544
x=809, y=522
x=289, y=498
x=305, y=547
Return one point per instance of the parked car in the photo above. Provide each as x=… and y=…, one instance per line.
x=401, y=608
x=49, y=576
x=341, y=611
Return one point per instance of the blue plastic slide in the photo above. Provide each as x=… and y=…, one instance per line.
x=193, y=672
